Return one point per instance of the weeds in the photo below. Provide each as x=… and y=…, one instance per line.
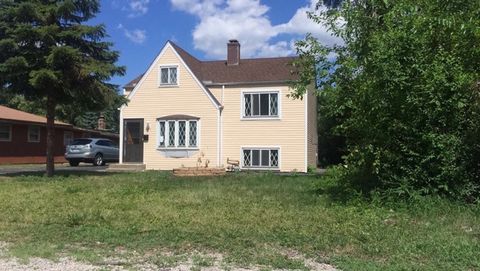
x=248, y=218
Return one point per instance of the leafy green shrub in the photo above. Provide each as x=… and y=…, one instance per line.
x=404, y=92
x=344, y=183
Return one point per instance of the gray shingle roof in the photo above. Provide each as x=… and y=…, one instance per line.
x=249, y=71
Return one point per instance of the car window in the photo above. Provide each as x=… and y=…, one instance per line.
x=111, y=143
x=102, y=143
x=81, y=141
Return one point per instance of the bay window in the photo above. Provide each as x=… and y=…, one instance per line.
x=177, y=133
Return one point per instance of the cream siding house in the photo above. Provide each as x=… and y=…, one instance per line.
x=186, y=112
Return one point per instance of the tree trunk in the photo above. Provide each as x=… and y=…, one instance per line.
x=50, y=136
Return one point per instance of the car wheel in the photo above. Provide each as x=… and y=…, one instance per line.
x=98, y=161
x=73, y=163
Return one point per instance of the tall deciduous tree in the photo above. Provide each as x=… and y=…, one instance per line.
x=403, y=88
x=49, y=54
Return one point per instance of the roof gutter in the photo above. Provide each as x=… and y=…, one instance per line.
x=37, y=123
x=209, y=84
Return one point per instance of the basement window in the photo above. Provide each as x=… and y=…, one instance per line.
x=258, y=158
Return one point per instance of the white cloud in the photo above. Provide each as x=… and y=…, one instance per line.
x=197, y=7
x=134, y=8
x=136, y=35
x=247, y=21
x=138, y=7
x=301, y=24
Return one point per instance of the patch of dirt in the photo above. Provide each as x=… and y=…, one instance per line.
x=164, y=261
x=64, y=264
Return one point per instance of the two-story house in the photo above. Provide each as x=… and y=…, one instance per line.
x=183, y=108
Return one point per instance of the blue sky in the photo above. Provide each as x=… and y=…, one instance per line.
x=265, y=28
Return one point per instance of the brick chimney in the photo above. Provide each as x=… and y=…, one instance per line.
x=233, y=52
x=101, y=122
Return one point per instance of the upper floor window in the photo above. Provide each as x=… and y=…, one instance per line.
x=177, y=133
x=168, y=75
x=5, y=132
x=33, y=133
x=260, y=105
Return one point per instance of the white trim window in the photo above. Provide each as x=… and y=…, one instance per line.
x=260, y=105
x=33, y=133
x=67, y=138
x=5, y=132
x=261, y=158
x=179, y=134
x=168, y=75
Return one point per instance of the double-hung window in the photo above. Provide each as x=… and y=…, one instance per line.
x=260, y=157
x=168, y=75
x=33, y=133
x=5, y=132
x=260, y=105
x=177, y=133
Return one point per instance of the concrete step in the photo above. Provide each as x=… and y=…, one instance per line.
x=125, y=167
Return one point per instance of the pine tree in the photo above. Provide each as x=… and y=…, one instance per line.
x=49, y=54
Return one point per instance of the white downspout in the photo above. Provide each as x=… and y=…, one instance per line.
x=218, y=135
x=306, y=132
x=221, y=127
x=120, y=137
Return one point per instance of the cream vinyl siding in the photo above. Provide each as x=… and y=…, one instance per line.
x=150, y=102
x=312, y=137
x=286, y=133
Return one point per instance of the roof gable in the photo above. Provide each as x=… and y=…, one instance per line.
x=137, y=83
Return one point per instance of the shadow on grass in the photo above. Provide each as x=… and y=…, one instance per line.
x=346, y=186
x=60, y=173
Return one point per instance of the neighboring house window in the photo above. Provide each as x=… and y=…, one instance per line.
x=67, y=138
x=260, y=158
x=177, y=134
x=260, y=105
x=169, y=75
x=5, y=132
x=33, y=133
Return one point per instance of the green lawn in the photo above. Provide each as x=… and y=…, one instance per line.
x=252, y=219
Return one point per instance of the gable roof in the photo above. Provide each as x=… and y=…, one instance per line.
x=254, y=70
x=138, y=81
x=11, y=114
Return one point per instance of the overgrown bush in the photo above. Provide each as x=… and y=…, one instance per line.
x=403, y=89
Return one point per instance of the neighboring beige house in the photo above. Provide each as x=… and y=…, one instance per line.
x=183, y=109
